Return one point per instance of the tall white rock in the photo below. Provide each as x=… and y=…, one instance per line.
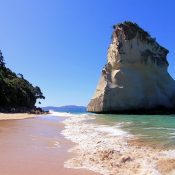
x=135, y=78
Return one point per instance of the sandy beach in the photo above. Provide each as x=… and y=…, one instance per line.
x=34, y=146
x=16, y=116
x=62, y=143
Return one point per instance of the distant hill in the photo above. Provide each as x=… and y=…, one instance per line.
x=68, y=108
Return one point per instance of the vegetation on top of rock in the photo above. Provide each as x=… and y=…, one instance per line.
x=132, y=29
x=16, y=91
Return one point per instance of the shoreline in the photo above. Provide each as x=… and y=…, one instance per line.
x=139, y=111
x=34, y=145
x=102, y=151
x=77, y=145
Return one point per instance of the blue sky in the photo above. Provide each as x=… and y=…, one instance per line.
x=61, y=45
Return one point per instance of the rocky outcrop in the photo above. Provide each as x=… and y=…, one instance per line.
x=33, y=110
x=135, y=78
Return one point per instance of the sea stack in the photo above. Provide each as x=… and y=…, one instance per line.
x=135, y=78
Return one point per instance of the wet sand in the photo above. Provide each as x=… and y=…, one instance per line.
x=35, y=146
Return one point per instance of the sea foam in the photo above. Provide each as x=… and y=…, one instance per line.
x=107, y=149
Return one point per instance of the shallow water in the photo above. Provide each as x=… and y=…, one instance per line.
x=158, y=129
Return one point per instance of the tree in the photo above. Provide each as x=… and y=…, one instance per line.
x=15, y=90
x=21, y=75
x=38, y=93
x=2, y=63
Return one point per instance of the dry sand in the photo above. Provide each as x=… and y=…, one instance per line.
x=14, y=116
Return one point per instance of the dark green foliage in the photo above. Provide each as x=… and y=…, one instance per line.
x=38, y=93
x=16, y=91
x=2, y=63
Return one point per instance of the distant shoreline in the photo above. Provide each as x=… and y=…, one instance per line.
x=23, y=110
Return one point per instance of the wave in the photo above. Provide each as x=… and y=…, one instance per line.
x=61, y=114
x=68, y=114
x=115, y=131
x=105, y=149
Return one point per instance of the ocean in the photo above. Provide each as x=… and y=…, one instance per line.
x=158, y=130
x=155, y=129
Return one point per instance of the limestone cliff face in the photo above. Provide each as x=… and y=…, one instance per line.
x=135, y=76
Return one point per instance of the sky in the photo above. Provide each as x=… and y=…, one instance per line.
x=61, y=45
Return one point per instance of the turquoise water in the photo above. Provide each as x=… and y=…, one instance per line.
x=159, y=129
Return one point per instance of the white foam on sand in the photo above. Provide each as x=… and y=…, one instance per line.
x=106, y=149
